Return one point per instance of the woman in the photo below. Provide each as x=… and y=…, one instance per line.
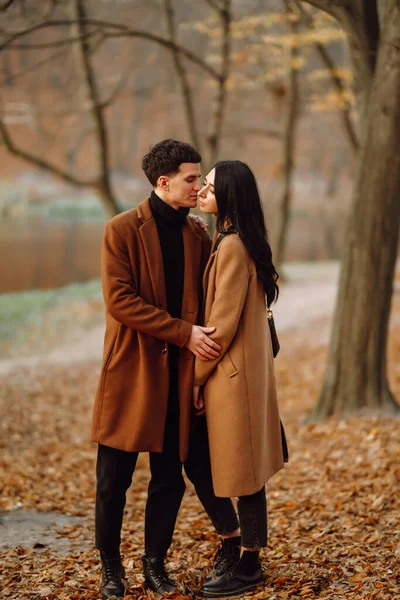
x=237, y=390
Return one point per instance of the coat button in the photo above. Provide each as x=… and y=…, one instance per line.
x=164, y=350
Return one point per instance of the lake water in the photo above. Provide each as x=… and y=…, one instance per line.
x=38, y=251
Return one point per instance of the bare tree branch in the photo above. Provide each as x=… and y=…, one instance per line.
x=7, y=5
x=103, y=185
x=182, y=76
x=96, y=44
x=114, y=31
x=214, y=5
x=337, y=81
x=220, y=99
x=55, y=44
x=37, y=65
x=332, y=7
x=288, y=140
x=39, y=162
x=121, y=84
x=360, y=22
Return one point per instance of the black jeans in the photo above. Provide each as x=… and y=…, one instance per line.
x=253, y=520
x=166, y=488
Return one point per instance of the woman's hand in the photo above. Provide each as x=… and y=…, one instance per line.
x=198, y=400
x=199, y=221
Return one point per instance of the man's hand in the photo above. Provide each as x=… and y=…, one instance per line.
x=198, y=401
x=201, y=345
x=199, y=221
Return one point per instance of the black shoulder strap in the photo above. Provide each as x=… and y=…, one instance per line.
x=222, y=235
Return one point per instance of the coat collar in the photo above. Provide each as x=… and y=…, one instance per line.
x=192, y=249
x=209, y=265
x=143, y=210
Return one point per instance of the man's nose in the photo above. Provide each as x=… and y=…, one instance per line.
x=197, y=186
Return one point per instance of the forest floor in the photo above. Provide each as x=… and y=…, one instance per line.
x=333, y=511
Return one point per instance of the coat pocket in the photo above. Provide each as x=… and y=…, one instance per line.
x=228, y=365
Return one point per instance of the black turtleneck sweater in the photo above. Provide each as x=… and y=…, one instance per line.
x=169, y=226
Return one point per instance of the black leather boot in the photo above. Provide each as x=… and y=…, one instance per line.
x=156, y=576
x=238, y=580
x=113, y=577
x=226, y=557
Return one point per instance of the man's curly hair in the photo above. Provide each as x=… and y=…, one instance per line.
x=165, y=158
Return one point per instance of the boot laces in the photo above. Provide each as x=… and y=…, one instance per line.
x=112, y=569
x=158, y=576
x=225, y=559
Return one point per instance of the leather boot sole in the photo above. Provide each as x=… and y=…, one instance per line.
x=246, y=588
x=157, y=590
x=106, y=596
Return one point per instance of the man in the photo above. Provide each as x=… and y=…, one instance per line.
x=153, y=259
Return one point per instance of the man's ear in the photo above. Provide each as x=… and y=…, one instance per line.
x=163, y=182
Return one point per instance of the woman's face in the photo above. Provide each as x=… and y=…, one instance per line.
x=206, y=196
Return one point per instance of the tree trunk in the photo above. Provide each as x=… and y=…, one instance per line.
x=110, y=205
x=356, y=373
x=288, y=149
x=214, y=138
x=182, y=76
x=92, y=96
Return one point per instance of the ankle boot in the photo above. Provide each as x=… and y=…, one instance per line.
x=226, y=557
x=113, y=577
x=244, y=577
x=156, y=577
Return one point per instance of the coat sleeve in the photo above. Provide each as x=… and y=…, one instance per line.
x=232, y=281
x=122, y=301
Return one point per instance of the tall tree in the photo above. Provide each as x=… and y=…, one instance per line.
x=356, y=375
x=86, y=35
x=224, y=12
x=288, y=138
x=186, y=88
x=97, y=109
x=101, y=183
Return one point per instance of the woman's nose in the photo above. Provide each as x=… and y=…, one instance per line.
x=201, y=192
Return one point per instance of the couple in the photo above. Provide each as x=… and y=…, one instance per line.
x=162, y=369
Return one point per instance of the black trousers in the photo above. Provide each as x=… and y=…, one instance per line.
x=166, y=488
x=253, y=520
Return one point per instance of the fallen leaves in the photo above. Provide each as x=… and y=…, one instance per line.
x=333, y=511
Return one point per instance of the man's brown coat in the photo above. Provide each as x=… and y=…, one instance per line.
x=239, y=386
x=132, y=396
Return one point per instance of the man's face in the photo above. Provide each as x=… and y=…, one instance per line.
x=180, y=190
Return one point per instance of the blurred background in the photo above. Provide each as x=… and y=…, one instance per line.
x=83, y=102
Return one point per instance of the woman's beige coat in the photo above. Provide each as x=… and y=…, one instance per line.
x=239, y=386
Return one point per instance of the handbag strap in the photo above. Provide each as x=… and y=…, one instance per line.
x=222, y=235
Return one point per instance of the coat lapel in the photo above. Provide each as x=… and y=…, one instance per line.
x=207, y=275
x=151, y=244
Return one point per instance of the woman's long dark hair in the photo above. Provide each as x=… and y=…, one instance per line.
x=239, y=202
